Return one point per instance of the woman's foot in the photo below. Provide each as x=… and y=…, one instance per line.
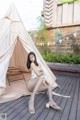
x=31, y=107
x=53, y=105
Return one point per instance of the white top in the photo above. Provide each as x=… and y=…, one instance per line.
x=33, y=74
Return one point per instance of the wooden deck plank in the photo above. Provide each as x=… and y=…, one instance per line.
x=19, y=109
x=78, y=106
x=64, y=101
x=28, y=115
x=14, y=102
x=39, y=111
x=11, y=106
x=66, y=112
x=73, y=110
x=25, y=111
x=45, y=112
x=51, y=113
x=70, y=85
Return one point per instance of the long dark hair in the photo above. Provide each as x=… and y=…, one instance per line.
x=29, y=61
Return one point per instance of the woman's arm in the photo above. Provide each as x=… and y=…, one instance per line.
x=33, y=67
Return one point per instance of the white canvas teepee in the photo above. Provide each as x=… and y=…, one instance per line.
x=15, y=44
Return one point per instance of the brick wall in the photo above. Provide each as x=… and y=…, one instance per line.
x=66, y=43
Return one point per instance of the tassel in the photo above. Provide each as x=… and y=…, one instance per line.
x=60, y=95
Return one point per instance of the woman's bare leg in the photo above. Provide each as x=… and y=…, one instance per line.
x=51, y=102
x=48, y=88
x=43, y=88
x=37, y=88
x=31, y=101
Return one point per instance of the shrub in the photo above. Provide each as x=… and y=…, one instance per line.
x=62, y=58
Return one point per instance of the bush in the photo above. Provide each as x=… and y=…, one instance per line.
x=60, y=58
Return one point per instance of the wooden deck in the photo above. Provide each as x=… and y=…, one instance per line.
x=70, y=85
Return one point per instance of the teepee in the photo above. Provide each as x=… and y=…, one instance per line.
x=15, y=44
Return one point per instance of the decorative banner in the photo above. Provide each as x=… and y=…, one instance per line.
x=68, y=37
x=60, y=41
x=75, y=34
x=48, y=44
x=41, y=44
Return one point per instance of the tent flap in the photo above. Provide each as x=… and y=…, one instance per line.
x=15, y=44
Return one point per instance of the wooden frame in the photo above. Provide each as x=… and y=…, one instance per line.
x=14, y=72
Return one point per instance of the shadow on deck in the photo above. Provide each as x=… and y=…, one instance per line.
x=70, y=85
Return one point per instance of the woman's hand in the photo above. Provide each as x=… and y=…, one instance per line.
x=41, y=71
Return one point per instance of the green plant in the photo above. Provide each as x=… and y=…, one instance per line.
x=62, y=58
x=58, y=40
x=69, y=1
x=75, y=46
x=42, y=36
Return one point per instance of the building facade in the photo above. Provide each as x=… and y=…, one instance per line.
x=58, y=14
x=64, y=16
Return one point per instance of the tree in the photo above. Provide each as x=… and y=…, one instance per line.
x=58, y=40
x=42, y=35
x=74, y=45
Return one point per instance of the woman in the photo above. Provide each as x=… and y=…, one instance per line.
x=36, y=82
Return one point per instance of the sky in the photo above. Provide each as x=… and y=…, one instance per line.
x=29, y=11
